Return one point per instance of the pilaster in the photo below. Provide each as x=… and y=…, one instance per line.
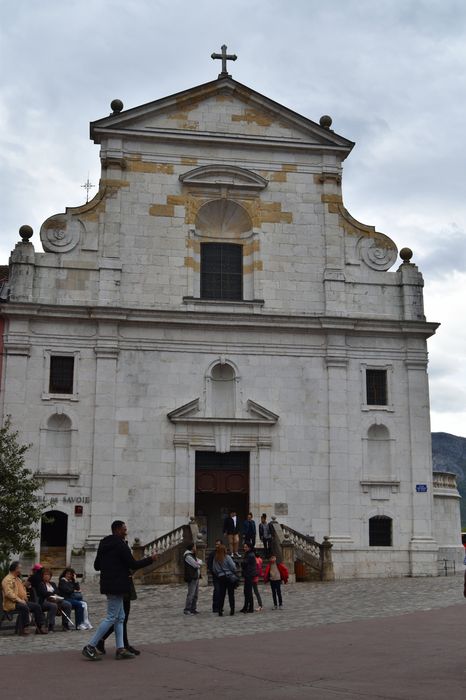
x=338, y=477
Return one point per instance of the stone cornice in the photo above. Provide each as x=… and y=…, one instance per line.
x=283, y=322
x=220, y=318
x=188, y=137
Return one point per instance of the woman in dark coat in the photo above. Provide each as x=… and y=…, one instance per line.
x=69, y=588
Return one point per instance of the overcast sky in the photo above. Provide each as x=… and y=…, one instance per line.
x=391, y=73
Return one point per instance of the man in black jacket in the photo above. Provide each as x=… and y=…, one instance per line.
x=231, y=532
x=249, y=569
x=115, y=563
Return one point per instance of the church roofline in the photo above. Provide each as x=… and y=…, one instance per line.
x=113, y=123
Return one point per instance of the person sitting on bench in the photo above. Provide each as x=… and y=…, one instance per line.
x=15, y=598
x=51, y=602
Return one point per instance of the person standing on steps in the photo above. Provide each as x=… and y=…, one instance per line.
x=265, y=535
x=249, y=531
x=215, y=581
x=115, y=563
x=192, y=574
x=231, y=532
x=249, y=568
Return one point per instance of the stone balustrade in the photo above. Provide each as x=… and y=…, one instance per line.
x=444, y=480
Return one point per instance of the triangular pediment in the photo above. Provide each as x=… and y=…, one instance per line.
x=224, y=108
x=190, y=413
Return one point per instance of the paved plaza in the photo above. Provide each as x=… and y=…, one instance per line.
x=390, y=638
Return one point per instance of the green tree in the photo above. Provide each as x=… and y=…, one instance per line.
x=20, y=506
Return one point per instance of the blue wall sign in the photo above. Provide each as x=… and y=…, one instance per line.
x=421, y=488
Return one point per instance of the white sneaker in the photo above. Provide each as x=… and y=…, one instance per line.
x=82, y=627
x=88, y=626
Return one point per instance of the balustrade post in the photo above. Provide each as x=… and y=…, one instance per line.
x=288, y=557
x=137, y=549
x=326, y=572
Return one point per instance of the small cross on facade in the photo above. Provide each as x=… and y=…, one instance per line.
x=87, y=186
x=224, y=57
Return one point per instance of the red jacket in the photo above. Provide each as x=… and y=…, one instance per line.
x=283, y=573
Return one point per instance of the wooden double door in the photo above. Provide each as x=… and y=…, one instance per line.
x=222, y=485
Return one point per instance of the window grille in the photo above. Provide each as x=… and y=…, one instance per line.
x=380, y=531
x=61, y=374
x=221, y=271
x=376, y=387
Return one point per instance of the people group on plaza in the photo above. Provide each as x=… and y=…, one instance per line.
x=44, y=600
x=224, y=564
x=41, y=599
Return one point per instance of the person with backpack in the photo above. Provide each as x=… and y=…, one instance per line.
x=192, y=574
x=276, y=573
x=265, y=535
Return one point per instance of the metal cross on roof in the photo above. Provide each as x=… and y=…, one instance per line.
x=224, y=58
x=87, y=186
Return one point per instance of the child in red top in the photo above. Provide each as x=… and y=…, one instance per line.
x=276, y=573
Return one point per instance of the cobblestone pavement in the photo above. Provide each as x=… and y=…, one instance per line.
x=157, y=616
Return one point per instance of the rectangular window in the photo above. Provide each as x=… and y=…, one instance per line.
x=376, y=387
x=221, y=271
x=61, y=374
x=380, y=531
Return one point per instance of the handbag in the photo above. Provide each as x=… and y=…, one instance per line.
x=233, y=578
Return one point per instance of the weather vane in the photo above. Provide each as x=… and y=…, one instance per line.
x=87, y=186
x=224, y=57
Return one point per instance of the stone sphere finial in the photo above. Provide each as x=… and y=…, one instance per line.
x=25, y=232
x=116, y=106
x=406, y=254
x=325, y=121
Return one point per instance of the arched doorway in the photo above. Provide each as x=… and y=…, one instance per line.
x=53, y=539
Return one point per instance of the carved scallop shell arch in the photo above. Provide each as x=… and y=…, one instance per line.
x=376, y=252
x=60, y=235
x=223, y=218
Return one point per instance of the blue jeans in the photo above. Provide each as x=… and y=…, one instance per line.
x=191, y=598
x=116, y=617
x=79, y=610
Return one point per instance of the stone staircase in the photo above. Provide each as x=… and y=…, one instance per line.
x=169, y=567
x=306, y=559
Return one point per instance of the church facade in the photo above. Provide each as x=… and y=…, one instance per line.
x=214, y=331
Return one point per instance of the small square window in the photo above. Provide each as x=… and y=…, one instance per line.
x=61, y=378
x=376, y=387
